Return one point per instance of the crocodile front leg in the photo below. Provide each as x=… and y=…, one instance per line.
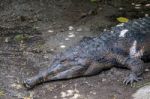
x=136, y=66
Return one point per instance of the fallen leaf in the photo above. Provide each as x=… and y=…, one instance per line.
x=2, y=93
x=122, y=19
x=21, y=37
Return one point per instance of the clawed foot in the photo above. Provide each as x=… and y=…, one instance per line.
x=131, y=79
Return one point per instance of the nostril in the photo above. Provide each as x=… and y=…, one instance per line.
x=27, y=83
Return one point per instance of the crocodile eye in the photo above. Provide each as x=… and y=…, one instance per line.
x=65, y=62
x=61, y=61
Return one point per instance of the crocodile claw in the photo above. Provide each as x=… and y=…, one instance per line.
x=131, y=79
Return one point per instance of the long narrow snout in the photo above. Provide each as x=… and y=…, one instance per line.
x=29, y=83
x=45, y=75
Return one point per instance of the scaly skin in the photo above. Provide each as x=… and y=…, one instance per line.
x=127, y=44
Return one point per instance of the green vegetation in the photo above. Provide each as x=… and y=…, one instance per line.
x=21, y=37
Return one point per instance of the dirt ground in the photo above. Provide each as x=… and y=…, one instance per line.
x=33, y=31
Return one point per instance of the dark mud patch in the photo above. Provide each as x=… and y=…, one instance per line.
x=33, y=31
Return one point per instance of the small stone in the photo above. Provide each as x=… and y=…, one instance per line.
x=69, y=92
x=62, y=46
x=120, y=8
x=46, y=57
x=147, y=5
x=52, y=49
x=142, y=93
x=75, y=96
x=146, y=15
x=105, y=30
x=21, y=41
x=112, y=31
x=71, y=35
x=63, y=94
x=37, y=27
x=6, y=40
x=67, y=39
x=70, y=28
x=55, y=97
x=122, y=24
x=146, y=70
x=92, y=92
x=132, y=3
x=100, y=8
x=50, y=31
x=137, y=7
x=86, y=82
x=79, y=29
x=103, y=79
